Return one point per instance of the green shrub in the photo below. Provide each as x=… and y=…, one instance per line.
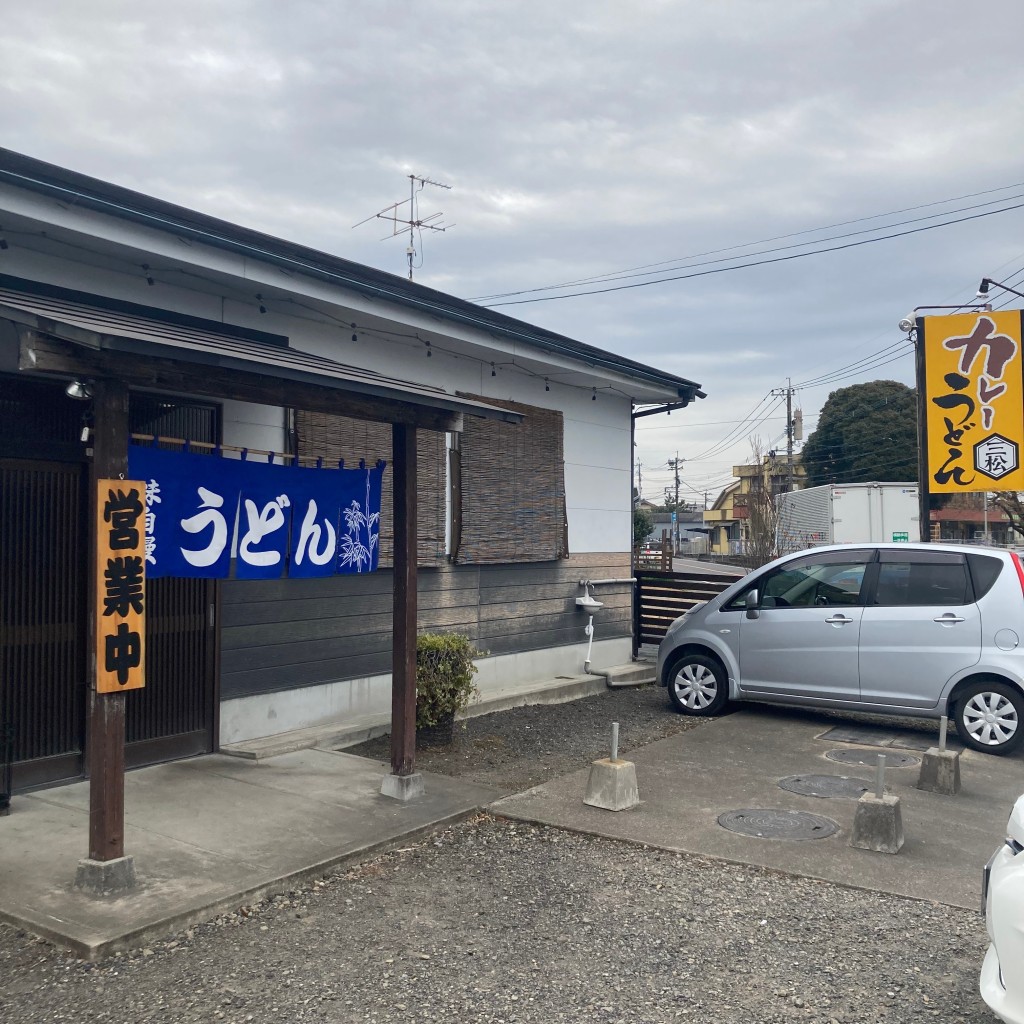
x=444, y=676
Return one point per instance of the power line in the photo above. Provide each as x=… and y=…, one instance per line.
x=800, y=245
x=757, y=263
x=750, y=415
x=629, y=271
x=736, y=433
x=881, y=358
x=811, y=381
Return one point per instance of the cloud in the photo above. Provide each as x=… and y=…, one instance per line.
x=580, y=139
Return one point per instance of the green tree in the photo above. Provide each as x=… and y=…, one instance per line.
x=865, y=432
x=1011, y=503
x=643, y=526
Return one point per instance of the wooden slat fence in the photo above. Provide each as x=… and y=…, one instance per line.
x=653, y=558
x=662, y=596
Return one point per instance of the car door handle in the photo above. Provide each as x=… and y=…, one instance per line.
x=949, y=618
x=838, y=620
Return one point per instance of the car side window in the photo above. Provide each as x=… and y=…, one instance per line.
x=822, y=582
x=925, y=579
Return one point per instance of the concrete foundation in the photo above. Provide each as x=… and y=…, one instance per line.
x=878, y=824
x=402, y=787
x=106, y=877
x=940, y=771
x=612, y=785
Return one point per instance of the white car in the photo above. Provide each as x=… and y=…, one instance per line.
x=1002, y=973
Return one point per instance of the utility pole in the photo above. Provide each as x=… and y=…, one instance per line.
x=674, y=465
x=412, y=222
x=788, y=392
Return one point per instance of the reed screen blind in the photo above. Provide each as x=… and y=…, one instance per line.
x=510, y=503
x=330, y=437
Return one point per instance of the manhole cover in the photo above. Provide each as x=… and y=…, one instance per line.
x=770, y=824
x=826, y=786
x=870, y=758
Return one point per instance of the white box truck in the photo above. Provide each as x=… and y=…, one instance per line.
x=848, y=514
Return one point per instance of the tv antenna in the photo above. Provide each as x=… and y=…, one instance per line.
x=413, y=222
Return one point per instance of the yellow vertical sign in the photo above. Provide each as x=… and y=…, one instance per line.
x=120, y=585
x=974, y=401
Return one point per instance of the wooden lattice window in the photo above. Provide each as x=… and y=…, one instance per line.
x=330, y=437
x=509, y=488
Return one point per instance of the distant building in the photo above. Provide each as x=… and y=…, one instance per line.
x=727, y=521
x=963, y=517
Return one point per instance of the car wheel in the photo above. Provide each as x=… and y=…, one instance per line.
x=990, y=717
x=697, y=685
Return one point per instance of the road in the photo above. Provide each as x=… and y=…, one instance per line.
x=696, y=565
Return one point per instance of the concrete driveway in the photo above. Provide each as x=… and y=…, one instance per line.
x=735, y=763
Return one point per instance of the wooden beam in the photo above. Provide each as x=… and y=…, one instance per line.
x=403, y=661
x=105, y=734
x=50, y=355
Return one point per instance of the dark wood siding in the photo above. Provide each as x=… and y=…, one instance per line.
x=283, y=634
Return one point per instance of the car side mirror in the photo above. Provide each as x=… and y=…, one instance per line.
x=752, y=601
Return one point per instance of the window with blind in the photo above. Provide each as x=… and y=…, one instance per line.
x=509, y=488
x=320, y=435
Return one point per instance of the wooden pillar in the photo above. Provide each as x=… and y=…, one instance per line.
x=105, y=727
x=403, y=661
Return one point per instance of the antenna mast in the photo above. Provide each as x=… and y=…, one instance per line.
x=412, y=222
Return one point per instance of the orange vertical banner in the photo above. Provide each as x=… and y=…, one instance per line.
x=974, y=401
x=120, y=585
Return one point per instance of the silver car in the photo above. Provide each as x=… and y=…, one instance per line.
x=901, y=629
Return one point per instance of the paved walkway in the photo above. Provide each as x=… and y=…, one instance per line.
x=208, y=835
x=216, y=832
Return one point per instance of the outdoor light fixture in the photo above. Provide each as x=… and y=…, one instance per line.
x=547, y=386
x=78, y=389
x=149, y=276
x=494, y=372
x=259, y=299
x=987, y=282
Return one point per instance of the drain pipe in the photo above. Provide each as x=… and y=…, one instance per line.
x=588, y=631
x=590, y=604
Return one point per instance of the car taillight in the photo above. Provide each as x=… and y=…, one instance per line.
x=1020, y=568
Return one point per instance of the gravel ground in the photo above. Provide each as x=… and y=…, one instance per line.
x=494, y=921
x=514, y=750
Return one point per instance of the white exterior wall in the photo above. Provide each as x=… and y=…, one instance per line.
x=365, y=704
x=246, y=425
x=598, y=474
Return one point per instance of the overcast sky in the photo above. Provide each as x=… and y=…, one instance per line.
x=580, y=140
